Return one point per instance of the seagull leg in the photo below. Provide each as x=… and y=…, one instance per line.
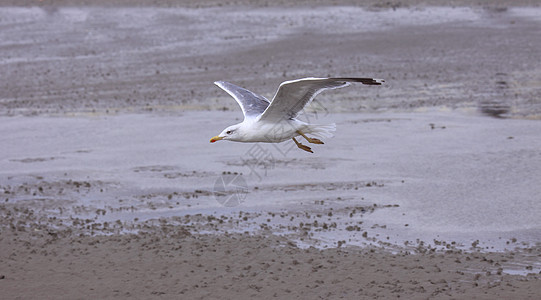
x=303, y=147
x=310, y=140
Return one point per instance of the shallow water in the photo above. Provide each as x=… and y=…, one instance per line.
x=436, y=178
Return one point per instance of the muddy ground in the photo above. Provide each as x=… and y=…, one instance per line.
x=110, y=188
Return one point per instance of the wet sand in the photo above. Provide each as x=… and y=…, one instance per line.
x=110, y=188
x=111, y=210
x=165, y=261
x=60, y=59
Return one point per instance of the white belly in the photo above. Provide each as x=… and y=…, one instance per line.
x=273, y=132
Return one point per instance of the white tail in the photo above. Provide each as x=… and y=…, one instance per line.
x=320, y=131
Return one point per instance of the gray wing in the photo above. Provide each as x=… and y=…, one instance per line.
x=292, y=96
x=252, y=105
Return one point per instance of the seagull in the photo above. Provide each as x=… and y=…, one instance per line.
x=276, y=121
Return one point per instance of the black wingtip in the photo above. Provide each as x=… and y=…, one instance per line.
x=367, y=81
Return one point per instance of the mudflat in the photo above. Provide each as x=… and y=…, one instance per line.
x=111, y=189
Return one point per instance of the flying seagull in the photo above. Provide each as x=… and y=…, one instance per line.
x=275, y=121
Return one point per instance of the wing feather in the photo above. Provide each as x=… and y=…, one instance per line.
x=252, y=104
x=292, y=96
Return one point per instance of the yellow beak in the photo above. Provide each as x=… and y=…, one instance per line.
x=216, y=138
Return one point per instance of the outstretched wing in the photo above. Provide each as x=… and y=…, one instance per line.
x=292, y=96
x=252, y=105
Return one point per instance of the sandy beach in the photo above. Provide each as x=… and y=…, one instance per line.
x=428, y=190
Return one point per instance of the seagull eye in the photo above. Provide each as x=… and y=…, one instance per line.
x=229, y=132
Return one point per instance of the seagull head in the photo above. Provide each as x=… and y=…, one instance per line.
x=232, y=133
